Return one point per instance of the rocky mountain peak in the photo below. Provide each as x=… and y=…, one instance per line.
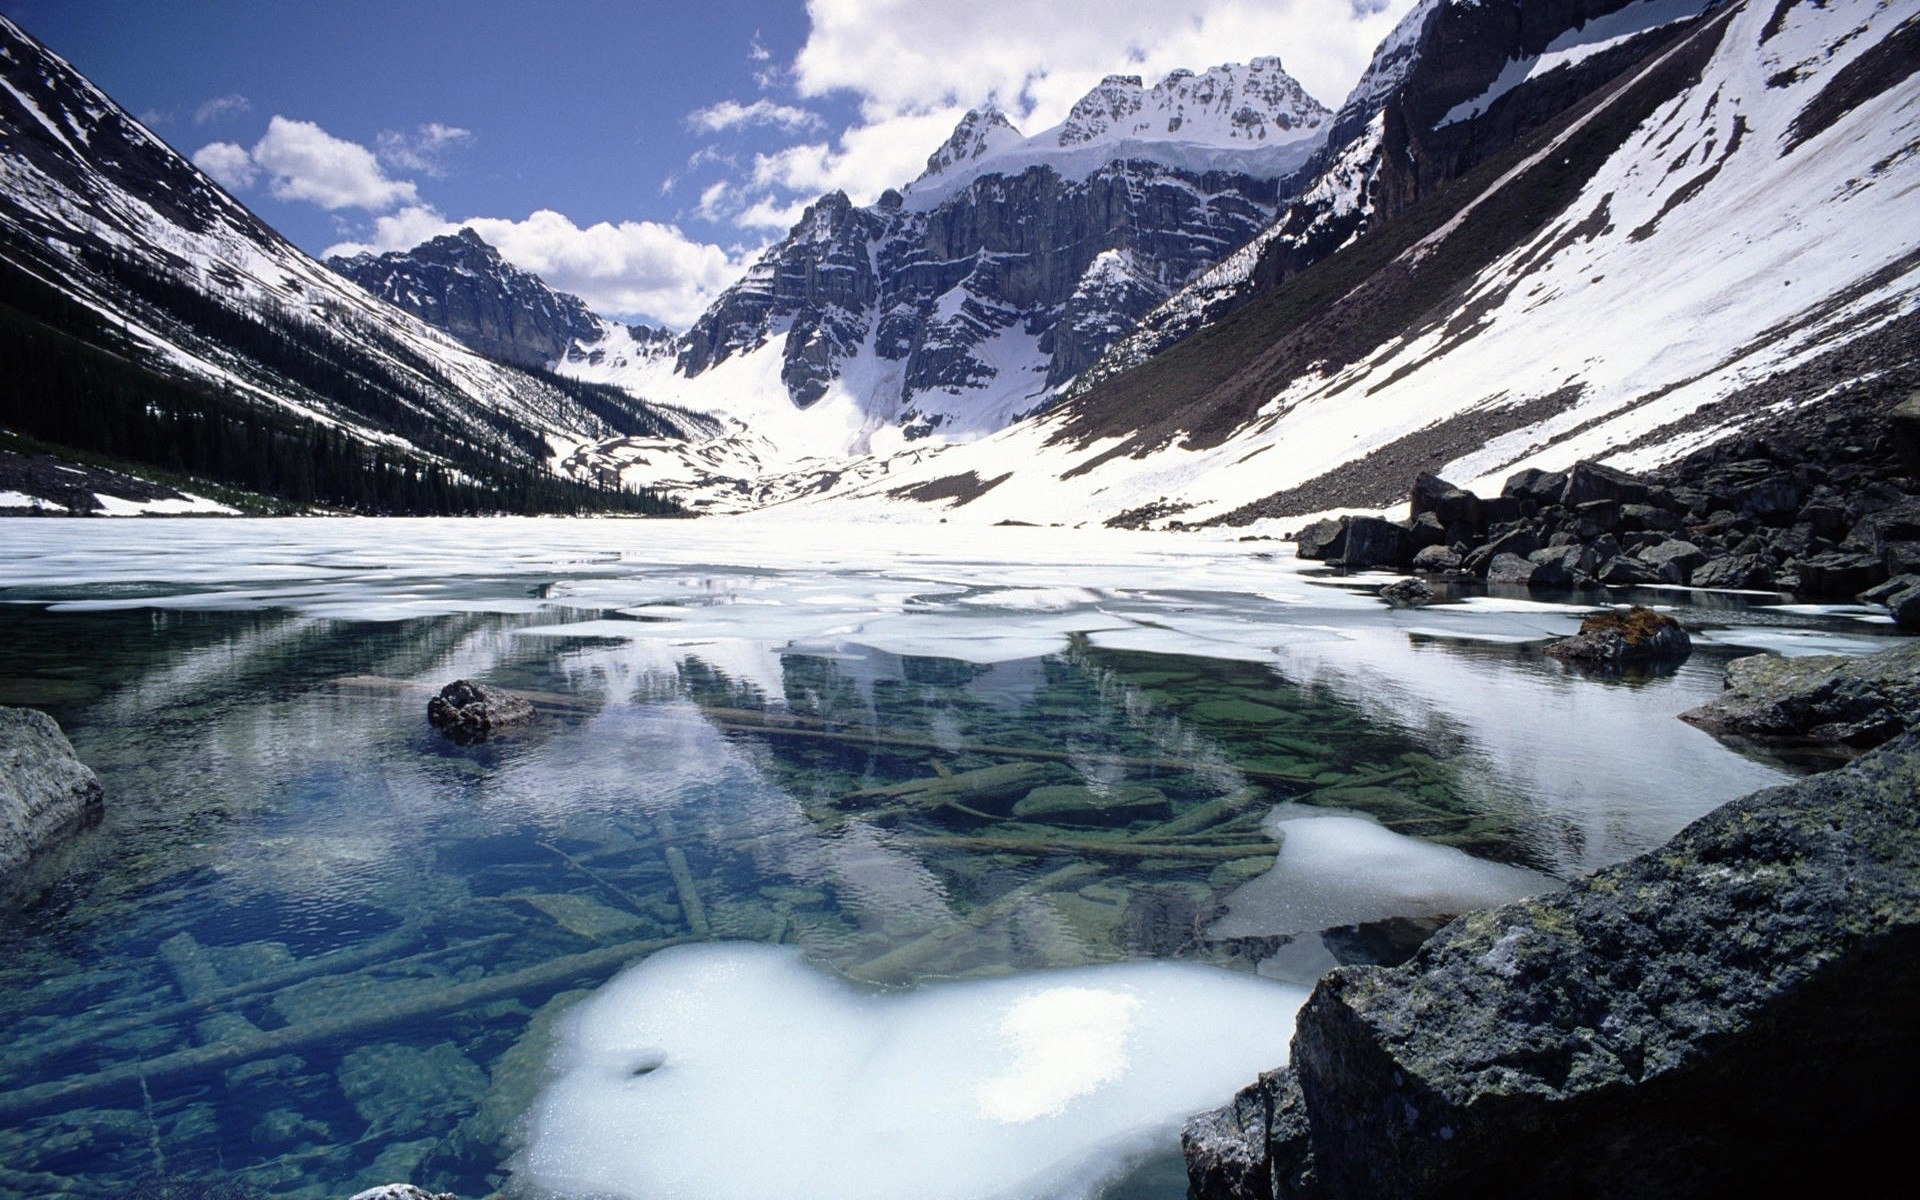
x=1224, y=105
x=982, y=131
x=460, y=283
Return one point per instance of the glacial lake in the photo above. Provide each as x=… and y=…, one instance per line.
x=836, y=861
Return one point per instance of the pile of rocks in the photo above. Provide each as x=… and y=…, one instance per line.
x=1747, y=523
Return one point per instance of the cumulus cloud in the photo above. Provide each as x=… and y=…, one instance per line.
x=901, y=55
x=913, y=69
x=731, y=114
x=230, y=166
x=220, y=107
x=633, y=269
x=302, y=161
x=423, y=149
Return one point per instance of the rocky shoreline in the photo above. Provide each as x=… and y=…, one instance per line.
x=1728, y=1011
x=1817, y=512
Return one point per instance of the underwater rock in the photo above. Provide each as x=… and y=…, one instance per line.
x=469, y=712
x=1728, y=1013
x=1853, y=701
x=402, y=1191
x=1618, y=638
x=46, y=793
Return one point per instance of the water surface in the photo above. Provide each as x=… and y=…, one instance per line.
x=316, y=946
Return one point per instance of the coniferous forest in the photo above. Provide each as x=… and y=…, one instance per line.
x=76, y=382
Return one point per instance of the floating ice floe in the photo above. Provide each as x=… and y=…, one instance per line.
x=736, y=1070
x=1334, y=871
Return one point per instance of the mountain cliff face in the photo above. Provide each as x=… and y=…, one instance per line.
x=460, y=284
x=1716, y=237
x=146, y=315
x=1011, y=264
x=1455, y=83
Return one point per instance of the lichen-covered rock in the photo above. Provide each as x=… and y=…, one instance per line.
x=46, y=793
x=1619, y=638
x=1857, y=702
x=1729, y=1013
x=468, y=712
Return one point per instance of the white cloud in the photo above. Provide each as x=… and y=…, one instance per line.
x=422, y=149
x=713, y=201
x=304, y=162
x=764, y=213
x=914, y=69
x=731, y=114
x=903, y=55
x=231, y=105
x=757, y=52
x=230, y=165
x=866, y=159
x=632, y=269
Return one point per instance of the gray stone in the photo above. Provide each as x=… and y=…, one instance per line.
x=46, y=793
x=1729, y=1014
x=1615, y=639
x=1321, y=540
x=1589, y=481
x=1735, y=572
x=1437, y=560
x=1840, y=573
x=1859, y=701
x=1675, y=560
x=1904, y=426
x=1623, y=570
x=402, y=1191
x=469, y=712
x=1905, y=606
x=1407, y=593
x=1510, y=569
x=1375, y=542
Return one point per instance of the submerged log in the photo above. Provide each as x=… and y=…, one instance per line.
x=58, y=1095
x=898, y=962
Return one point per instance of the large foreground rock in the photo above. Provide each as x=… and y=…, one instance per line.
x=46, y=794
x=1730, y=1013
x=1858, y=702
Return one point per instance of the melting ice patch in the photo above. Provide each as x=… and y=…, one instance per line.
x=739, y=1071
x=1335, y=870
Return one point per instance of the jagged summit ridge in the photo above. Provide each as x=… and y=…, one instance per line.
x=1252, y=116
x=982, y=131
x=1227, y=103
x=460, y=283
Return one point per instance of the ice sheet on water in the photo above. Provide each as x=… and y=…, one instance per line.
x=1334, y=871
x=739, y=1071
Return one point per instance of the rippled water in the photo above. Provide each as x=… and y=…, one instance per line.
x=316, y=946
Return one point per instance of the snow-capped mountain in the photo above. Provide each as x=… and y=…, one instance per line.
x=1455, y=82
x=969, y=298
x=1719, y=234
x=151, y=317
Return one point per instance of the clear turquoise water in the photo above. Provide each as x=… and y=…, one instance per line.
x=380, y=926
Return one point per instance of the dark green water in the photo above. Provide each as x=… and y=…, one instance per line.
x=315, y=946
x=297, y=864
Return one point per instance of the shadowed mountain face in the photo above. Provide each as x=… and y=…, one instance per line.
x=151, y=318
x=459, y=283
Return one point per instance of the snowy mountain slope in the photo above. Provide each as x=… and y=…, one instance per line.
x=1453, y=84
x=1633, y=281
x=1007, y=268
x=117, y=255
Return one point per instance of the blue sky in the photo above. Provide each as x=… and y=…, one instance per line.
x=636, y=153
